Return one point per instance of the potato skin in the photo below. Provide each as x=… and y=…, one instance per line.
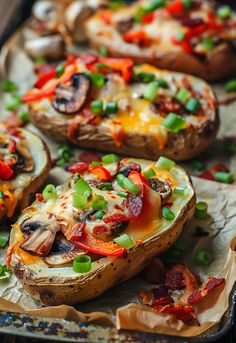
x=37, y=180
x=56, y=290
x=183, y=146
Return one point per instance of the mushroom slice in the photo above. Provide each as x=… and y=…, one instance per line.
x=49, y=46
x=69, y=98
x=40, y=232
x=62, y=252
x=162, y=187
x=25, y=160
x=47, y=12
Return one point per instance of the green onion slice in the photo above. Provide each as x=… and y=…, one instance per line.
x=173, y=122
x=60, y=70
x=149, y=173
x=111, y=108
x=203, y=257
x=83, y=188
x=105, y=186
x=80, y=201
x=165, y=163
x=201, y=210
x=167, y=214
x=49, y=192
x=124, y=241
x=9, y=86
x=98, y=202
x=110, y=158
x=4, y=238
x=224, y=177
x=24, y=116
x=103, y=51
x=99, y=214
x=82, y=264
x=179, y=190
x=151, y=91
x=97, y=106
x=123, y=194
x=183, y=95
x=97, y=79
x=124, y=182
x=224, y=12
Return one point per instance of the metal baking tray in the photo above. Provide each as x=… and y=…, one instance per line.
x=51, y=329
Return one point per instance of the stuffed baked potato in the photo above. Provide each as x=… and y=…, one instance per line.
x=99, y=228
x=195, y=37
x=24, y=165
x=113, y=106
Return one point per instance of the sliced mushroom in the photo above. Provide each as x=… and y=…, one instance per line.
x=69, y=98
x=162, y=187
x=75, y=16
x=126, y=169
x=39, y=232
x=47, y=13
x=62, y=252
x=51, y=47
x=25, y=160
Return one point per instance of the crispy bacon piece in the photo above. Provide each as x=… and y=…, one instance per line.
x=182, y=312
x=157, y=296
x=174, y=280
x=209, y=285
x=78, y=167
x=73, y=129
x=118, y=133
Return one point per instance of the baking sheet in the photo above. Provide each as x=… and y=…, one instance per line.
x=221, y=226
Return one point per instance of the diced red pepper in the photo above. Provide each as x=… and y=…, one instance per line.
x=78, y=167
x=117, y=217
x=135, y=37
x=209, y=285
x=85, y=240
x=102, y=173
x=138, y=179
x=148, y=18
x=123, y=65
x=39, y=197
x=5, y=171
x=44, y=78
x=175, y=8
x=89, y=157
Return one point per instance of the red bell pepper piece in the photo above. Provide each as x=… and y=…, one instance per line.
x=44, y=78
x=175, y=8
x=138, y=179
x=85, y=240
x=102, y=173
x=123, y=65
x=5, y=171
x=12, y=146
x=117, y=217
x=78, y=167
x=135, y=37
x=148, y=18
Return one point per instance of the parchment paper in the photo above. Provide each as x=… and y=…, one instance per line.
x=121, y=306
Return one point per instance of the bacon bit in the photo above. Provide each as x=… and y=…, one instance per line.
x=157, y=296
x=155, y=272
x=118, y=133
x=209, y=285
x=89, y=157
x=182, y=312
x=78, y=167
x=39, y=197
x=160, y=292
x=102, y=173
x=146, y=297
x=116, y=217
x=100, y=229
x=164, y=301
x=168, y=106
x=206, y=175
x=78, y=232
x=73, y=129
x=186, y=83
x=90, y=117
x=174, y=280
x=218, y=168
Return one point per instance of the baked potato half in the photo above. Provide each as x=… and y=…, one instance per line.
x=195, y=37
x=99, y=228
x=24, y=166
x=115, y=106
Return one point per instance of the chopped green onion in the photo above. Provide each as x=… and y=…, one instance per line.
x=49, y=192
x=139, y=15
x=179, y=190
x=187, y=3
x=1, y=194
x=193, y=105
x=16, y=101
x=97, y=106
x=174, y=122
x=124, y=241
x=123, y=194
x=111, y=107
x=224, y=12
x=124, y=182
x=177, y=249
x=99, y=214
x=60, y=70
x=82, y=264
x=40, y=60
x=208, y=43
x=161, y=83
x=144, y=77
x=102, y=66
x=110, y=158
x=230, y=86
x=4, y=238
x=224, y=177
x=97, y=79
x=197, y=165
x=98, y=202
x=183, y=95
x=65, y=152
x=5, y=273
x=114, y=4
x=149, y=173
x=95, y=163
x=80, y=201
x=105, y=186
x=153, y=5
x=9, y=86
x=201, y=210
x=180, y=36
x=83, y=188
x=24, y=116
x=103, y=51
x=203, y=257
x=151, y=91
x=167, y=214
x=165, y=163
